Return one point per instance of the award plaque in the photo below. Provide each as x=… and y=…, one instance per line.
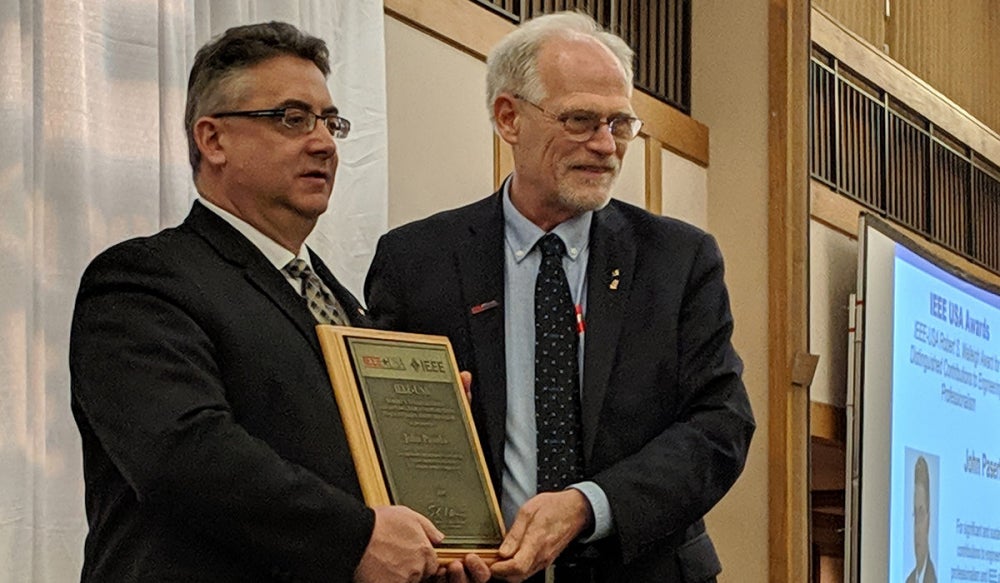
x=411, y=435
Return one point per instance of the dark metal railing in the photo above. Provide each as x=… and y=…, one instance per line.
x=659, y=31
x=870, y=147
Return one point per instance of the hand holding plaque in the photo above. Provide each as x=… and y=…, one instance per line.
x=411, y=434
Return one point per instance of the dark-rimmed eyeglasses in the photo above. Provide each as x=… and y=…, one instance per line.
x=580, y=125
x=294, y=118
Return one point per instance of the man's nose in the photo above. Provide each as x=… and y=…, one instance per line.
x=321, y=141
x=603, y=141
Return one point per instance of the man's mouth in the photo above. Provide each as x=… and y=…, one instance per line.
x=593, y=168
x=318, y=174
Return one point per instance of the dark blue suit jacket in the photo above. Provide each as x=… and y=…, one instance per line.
x=666, y=419
x=213, y=448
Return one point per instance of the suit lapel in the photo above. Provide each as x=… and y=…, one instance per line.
x=236, y=249
x=610, y=270
x=480, y=263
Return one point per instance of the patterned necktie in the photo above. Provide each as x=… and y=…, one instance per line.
x=324, y=307
x=557, y=393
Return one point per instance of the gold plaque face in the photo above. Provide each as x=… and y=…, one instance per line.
x=411, y=434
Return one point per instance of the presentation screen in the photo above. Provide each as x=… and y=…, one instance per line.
x=924, y=446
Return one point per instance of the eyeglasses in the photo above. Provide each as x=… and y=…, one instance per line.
x=301, y=120
x=580, y=126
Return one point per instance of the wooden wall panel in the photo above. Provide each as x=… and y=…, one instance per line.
x=866, y=18
x=993, y=72
x=950, y=44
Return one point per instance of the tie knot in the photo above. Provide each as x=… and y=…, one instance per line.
x=551, y=245
x=298, y=268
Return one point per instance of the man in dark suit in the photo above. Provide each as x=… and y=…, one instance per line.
x=657, y=426
x=924, y=571
x=213, y=448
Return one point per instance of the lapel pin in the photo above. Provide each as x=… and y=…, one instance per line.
x=614, y=273
x=483, y=307
x=614, y=284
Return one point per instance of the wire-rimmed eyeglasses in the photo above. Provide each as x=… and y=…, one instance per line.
x=581, y=125
x=298, y=119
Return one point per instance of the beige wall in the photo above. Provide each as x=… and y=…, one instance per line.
x=729, y=95
x=833, y=264
x=440, y=138
x=631, y=186
x=685, y=189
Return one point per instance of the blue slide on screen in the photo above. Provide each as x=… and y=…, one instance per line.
x=944, y=453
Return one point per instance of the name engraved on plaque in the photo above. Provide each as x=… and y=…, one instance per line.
x=425, y=449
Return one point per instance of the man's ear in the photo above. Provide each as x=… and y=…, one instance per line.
x=508, y=119
x=208, y=138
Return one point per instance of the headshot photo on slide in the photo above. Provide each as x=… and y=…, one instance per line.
x=920, y=533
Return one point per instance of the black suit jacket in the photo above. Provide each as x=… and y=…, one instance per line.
x=666, y=419
x=213, y=449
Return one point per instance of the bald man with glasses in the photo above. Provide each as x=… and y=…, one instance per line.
x=606, y=390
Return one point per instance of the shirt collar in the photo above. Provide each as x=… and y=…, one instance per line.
x=521, y=234
x=272, y=251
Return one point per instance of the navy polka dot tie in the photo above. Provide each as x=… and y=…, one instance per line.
x=557, y=381
x=324, y=307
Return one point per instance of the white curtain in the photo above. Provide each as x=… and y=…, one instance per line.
x=92, y=151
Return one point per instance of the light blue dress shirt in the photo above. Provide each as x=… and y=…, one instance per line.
x=521, y=261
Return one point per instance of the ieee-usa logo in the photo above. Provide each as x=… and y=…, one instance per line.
x=388, y=362
x=428, y=366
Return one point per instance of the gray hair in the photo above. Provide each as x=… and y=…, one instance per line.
x=216, y=79
x=512, y=65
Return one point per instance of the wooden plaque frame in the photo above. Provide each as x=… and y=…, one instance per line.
x=408, y=380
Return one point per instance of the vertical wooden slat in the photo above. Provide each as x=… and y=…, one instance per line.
x=817, y=127
x=788, y=313
x=654, y=175
x=988, y=213
x=831, y=117
x=670, y=31
x=820, y=128
x=898, y=207
x=878, y=148
x=844, y=138
x=640, y=40
x=856, y=152
x=864, y=154
x=854, y=143
x=864, y=149
x=892, y=166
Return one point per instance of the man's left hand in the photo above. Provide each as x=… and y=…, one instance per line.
x=472, y=569
x=543, y=528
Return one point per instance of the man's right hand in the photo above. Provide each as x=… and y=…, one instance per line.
x=400, y=549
